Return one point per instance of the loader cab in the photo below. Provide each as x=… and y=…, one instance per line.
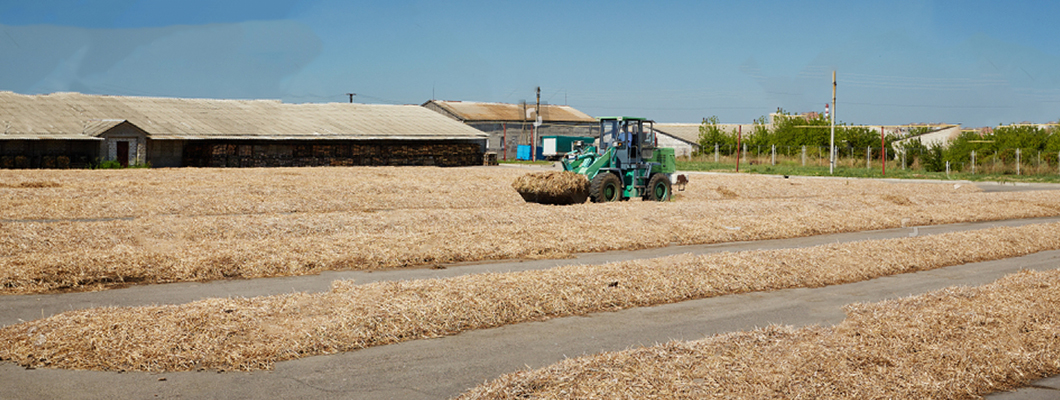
x=632, y=138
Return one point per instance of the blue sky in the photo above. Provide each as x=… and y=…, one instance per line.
x=973, y=62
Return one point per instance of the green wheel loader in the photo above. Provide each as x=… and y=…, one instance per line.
x=625, y=163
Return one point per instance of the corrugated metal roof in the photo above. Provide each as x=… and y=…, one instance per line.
x=470, y=111
x=75, y=115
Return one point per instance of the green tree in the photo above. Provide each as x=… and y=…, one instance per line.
x=857, y=138
x=914, y=150
x=960, y=149
x=1003, y=143
x=1027, y=137
x=933, y=159
x=756, y=137
x=710, y=133
x=795, y=131
x=1052, y=145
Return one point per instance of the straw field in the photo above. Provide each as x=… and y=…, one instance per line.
x=248, y=334
x=104, y=194
x=94, y=230
x=954, y=343
x=190, y=192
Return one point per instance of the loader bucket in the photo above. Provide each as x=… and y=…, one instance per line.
x=554, y=187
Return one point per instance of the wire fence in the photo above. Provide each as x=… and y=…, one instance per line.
x=1017, y=161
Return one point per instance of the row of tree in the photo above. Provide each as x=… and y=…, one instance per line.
x=790, y=132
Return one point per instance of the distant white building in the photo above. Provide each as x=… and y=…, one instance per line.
x=684, y=138
x=942, y=136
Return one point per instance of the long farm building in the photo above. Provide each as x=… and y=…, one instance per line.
x=73, y=130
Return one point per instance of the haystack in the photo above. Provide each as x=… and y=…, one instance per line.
x=554, y=187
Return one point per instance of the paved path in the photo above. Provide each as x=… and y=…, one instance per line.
x=443, y=367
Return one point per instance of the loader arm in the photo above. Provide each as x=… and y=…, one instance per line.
x=587, y=162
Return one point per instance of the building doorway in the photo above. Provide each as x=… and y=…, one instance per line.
x=123, y=153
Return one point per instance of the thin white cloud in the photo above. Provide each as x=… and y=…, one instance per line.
x=244, y=60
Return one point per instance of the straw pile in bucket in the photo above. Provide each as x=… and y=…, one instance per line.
x=553, y=187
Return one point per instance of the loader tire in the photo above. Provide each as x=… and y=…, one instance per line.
x=605, y=187
x=658, y=188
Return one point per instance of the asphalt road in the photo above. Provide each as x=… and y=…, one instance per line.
x=444, y=367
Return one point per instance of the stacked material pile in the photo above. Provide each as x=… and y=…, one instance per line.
x=558, y=188
x=340, y=153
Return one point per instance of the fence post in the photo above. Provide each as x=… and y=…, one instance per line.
x=716, y=159
x=868, y=157
x=774, y=155
x=803, y=156
x=973, y=162
x=745, y=151
x=1017, y=161
x=947, y=170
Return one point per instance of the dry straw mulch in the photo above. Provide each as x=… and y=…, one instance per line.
x=553, y=187
x=247, y=334
x=103, y=194
x=204, y=224
x=953, y=343
x=189, y=192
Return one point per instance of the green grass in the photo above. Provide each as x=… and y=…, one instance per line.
x=843, y=169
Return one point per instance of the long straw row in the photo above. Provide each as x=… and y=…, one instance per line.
x=950, y=344
x=79, y=256
x=248, y=334
x=101, y=194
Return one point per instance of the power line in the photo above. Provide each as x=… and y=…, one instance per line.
x=926, y=106
x=589, y=105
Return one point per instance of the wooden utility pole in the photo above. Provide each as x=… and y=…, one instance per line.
x=533, y=133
